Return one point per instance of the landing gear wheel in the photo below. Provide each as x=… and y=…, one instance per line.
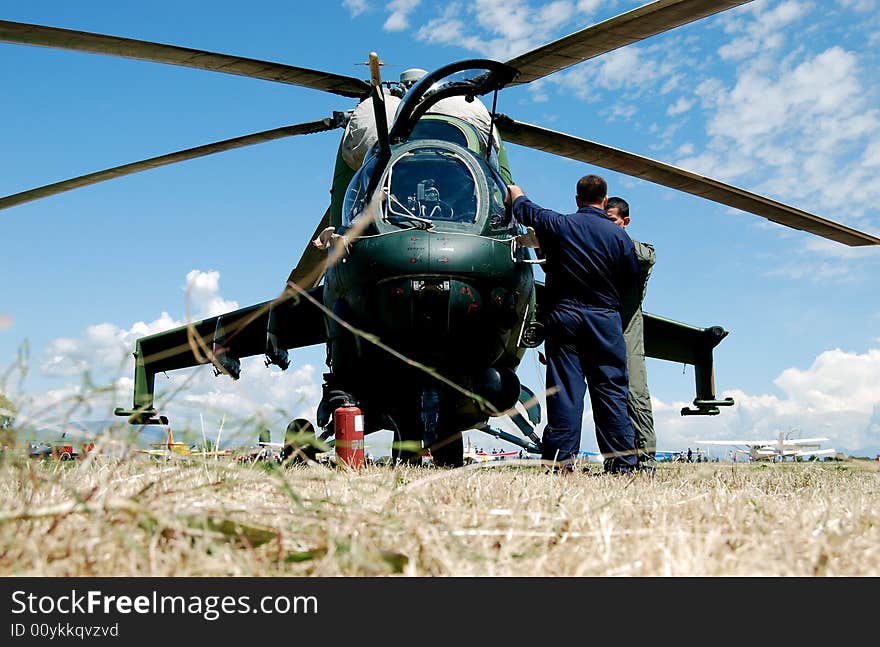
x=406, y=446
x=300, y=442
x=448, y=451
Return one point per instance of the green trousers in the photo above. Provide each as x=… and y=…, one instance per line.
x=639, y=400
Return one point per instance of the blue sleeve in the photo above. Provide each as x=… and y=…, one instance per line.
x=532, y=215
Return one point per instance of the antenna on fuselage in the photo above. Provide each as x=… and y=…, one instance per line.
x=379, y=107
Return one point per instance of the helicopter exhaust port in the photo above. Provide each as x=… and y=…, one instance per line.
x=532, y=335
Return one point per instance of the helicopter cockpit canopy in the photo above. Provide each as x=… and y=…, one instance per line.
x=431, y=184
x=435, y=174
x=427, y=183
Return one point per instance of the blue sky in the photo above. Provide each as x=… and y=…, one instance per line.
x=777, y=97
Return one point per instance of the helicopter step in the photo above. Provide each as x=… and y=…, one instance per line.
x=707, y=407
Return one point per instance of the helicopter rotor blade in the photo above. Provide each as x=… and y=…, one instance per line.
x=321, y=125
x=630, y=27
x=645, y=168
x=81, y=41
x=310, y=269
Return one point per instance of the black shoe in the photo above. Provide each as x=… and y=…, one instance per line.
x=620, y=469
x=561, y=469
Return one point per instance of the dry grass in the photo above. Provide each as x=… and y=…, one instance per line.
x=112, y=517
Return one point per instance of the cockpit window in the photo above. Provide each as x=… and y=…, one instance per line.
x=438, y=129
x=431, y=184
x=353, y=204
x=498, y=216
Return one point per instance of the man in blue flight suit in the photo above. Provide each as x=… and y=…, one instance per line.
x=591, y=278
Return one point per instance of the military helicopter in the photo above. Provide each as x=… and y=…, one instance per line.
x=417, y=279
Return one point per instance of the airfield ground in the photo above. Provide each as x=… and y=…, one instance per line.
x=110, y=517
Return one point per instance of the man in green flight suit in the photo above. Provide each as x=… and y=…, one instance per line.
x=639, y=400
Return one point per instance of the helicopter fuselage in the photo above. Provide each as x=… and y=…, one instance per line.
x=431, y=271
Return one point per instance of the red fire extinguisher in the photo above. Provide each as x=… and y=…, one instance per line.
x=348, y=427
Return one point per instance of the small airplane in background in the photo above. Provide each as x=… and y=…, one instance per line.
x=660, y=456
x=480, y=456
x=776, y=450
x=60, y=450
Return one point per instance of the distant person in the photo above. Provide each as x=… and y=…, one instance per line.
x=690, y=457
x=639, y=398
x=592, y=278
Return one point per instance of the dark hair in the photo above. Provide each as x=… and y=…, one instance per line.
x=621, y=204
x=591, y=189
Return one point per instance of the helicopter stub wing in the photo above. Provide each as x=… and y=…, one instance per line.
x=222, y=341
x=321, y=125
x=663, y=174
x=81, y=41
x=675, y=341
x=630, y=27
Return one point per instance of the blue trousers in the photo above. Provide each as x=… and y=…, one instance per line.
x=586, y=351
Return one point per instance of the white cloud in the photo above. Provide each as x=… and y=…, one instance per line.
x=106, y=346
x=588, y=6
x=821, y=92
x=621, y=111
x=202, y=290
x=636, y=75
x=764, y=32
x=499, y=29
x=103, y=351
x=398, y=20
x=355, y=7
x=821, y=272
x=838, y=396
x=822, y=260
x=682, y=105
x=509, y=18
x=261, y=393
x=871, y=156
x=555, y=14
x=860, y=5
x=836, y=382
x=685, y=149
x=806, y=125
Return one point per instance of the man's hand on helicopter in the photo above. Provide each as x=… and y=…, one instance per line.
x=529, y=239
x=513, y=192
x=325, y=238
